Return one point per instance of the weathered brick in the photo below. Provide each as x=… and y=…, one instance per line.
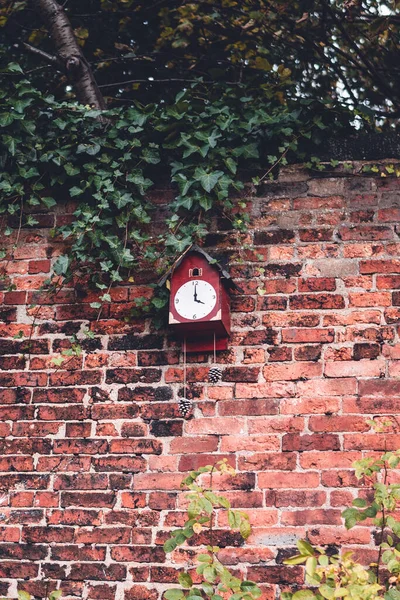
x=316, y=301
x=101, y=446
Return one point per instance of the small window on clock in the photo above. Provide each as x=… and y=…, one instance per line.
x=196, y=272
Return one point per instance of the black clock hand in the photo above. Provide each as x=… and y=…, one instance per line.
x=195, y=293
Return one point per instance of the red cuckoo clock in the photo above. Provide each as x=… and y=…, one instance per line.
x=199, y=306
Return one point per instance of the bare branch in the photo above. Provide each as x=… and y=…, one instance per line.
x=69, y=53
x=49, y=58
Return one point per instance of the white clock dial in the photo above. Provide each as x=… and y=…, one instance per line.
x=195, y=299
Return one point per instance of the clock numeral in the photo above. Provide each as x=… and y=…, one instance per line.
x=176, y=300
x=213, y=297
x=194, y=316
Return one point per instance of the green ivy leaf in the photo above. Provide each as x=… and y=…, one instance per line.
x=208, y=180
x=173, y=594
x=75, y=191
x=185, y=580
x=61, y=265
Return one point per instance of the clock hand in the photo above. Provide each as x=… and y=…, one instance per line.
x=195, y=293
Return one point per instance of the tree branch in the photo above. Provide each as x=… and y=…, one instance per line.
x=50, y=58
x=69, y=54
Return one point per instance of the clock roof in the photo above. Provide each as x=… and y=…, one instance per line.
x=194, y=248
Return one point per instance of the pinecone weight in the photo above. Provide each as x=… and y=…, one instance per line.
x=214, y=375
x=185, y=407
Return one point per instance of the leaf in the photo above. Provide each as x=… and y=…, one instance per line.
x=206, y=558
x=326, y=591
x=263, y=64
x=245, y=529
x=207, y=180
x=75, y=191
x=298, y=559
x=48, y=201
x=305, y=547
x=231, y=164
x=55, y=595
x=23, y=595
x=61, y=265
x=360, y=502
x=173, y=594
x=95, y=305
x=311, y=565
x=6, y=119
x=170, y=544
x=14, y=67
x=90, y=149
x=151, y=156
x=247, y=151
x=303, y=595
x=206, y=202
x=185, y=580
x=57, y=361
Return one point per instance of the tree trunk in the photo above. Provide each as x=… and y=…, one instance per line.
x=69, y=53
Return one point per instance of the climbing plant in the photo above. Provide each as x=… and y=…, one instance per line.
x=100, y=101
x=54, y=151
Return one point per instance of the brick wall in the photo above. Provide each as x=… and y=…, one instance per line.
x=93, y=451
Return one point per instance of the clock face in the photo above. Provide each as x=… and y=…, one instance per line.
x=195, y=299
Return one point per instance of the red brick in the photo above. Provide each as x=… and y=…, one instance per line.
x=74, y=516
x=313, y=202
x=311, y=517
x=39, y=266
x=265, y=390
x=275, y=424
x=327, y=460
x=364, y=368
x=317, y=284
x=368, y=232
x=336, y=535
x=380, y=266
x=293, y=480
x=248, y=407
x=140, y=592
x=267, y=461
x=292, y=372
x=338, y=423
x=301, y=336
x=370, y=299
x=299, y=498
x=216, y=425
x=72, y=552
x=301, y=443
x=316, y=301
x=137, y=446
x=103, y=535
x=198, y=444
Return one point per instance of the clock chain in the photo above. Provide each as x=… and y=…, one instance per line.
x=215, y=373
x=185, y=405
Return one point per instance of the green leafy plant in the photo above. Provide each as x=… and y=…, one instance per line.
x=54, y=595
x=51, y=151
x=339, y=576
x=216, y=581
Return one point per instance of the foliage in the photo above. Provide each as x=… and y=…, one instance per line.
x=203, y=504
x=54, y=595
x=202, y=94
x=337, y=52
x=341, y=576
x=53, y=150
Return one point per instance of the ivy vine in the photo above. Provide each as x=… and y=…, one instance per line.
x=52, y=152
